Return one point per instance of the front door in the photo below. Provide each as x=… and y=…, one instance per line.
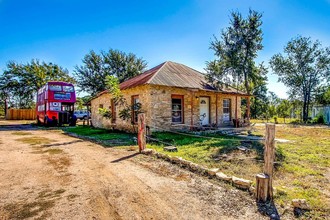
x=204, y=109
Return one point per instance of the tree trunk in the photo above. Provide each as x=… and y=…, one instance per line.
x=305, y=117
x=247, y=87
x=6, y=107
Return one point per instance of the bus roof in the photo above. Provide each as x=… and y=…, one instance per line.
x=59, y=83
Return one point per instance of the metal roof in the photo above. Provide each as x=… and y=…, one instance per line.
x=175, y=75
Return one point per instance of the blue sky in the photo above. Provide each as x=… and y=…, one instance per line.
x=63, y=31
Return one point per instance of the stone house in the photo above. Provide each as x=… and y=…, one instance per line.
x=171, y=95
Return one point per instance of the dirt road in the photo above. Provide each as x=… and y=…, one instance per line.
x=46, y=174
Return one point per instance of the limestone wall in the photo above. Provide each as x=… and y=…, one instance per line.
x=157, y=105
x=105, y=100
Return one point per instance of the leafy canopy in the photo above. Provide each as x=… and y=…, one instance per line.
x=236, y=50
x=20, y=82
x=304, y=69
x=91, y=76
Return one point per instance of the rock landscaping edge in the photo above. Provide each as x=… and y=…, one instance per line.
x=239, y=183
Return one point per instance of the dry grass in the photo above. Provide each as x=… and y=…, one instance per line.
x=165, y=169
x=35, y=140
x=53, y=151
x=21, y=133
x=60, y=164
x=304, y=169
x=36, y=209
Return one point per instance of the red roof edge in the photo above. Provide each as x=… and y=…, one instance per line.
x=140, y=79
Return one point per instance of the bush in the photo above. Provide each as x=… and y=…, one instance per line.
x=105, y=113
x=319, y=119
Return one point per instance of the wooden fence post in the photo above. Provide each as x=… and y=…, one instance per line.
x=264, y=185
x=141, y=131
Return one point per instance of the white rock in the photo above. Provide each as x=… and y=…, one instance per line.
x=148, y=151
x=300, y=203
x=213, y=171
x=242, y=183
x=222, y=176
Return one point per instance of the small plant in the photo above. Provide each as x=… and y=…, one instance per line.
x=275, y=120
x=105, y=113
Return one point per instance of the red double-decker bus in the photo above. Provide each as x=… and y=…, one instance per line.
x=55, y=104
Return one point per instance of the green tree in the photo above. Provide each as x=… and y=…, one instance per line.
x=96, y=67
x=303, y=70
x=323, y=96
x=284, y=109
x=259, y=101
x=20, y=82
x=236, y=52
x=81, y=101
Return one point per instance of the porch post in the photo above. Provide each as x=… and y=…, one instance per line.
x=236, y=121
x=248, y=110
x=192, y=110
x=216, y=109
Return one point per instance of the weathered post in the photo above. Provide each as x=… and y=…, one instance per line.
x=141, y=131
x=264, y=186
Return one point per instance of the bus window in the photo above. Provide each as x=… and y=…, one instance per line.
x=55, y=88
x=68, y=89
x=62, y=96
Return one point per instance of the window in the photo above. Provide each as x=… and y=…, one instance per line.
x=68, y=89
x=62, y=96
x=56, y=88
x=113, y=111
x=135, y=108
x=226, y=106
x=177, y=109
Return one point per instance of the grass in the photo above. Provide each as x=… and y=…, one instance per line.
x=218, y=152
x=36, y=140
x=21, y=133
x=272, y=120
x=53, y=151
x=107, y=137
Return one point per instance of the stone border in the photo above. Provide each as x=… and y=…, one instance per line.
x=196, y=168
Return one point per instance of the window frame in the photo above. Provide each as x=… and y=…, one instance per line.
x=181, y=97
x=134, y=118
x=229, y=107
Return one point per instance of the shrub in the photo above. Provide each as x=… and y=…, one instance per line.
x=105, y=113
x=319, y=119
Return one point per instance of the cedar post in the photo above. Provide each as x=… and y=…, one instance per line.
x=141, y=131
x=264, y=186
